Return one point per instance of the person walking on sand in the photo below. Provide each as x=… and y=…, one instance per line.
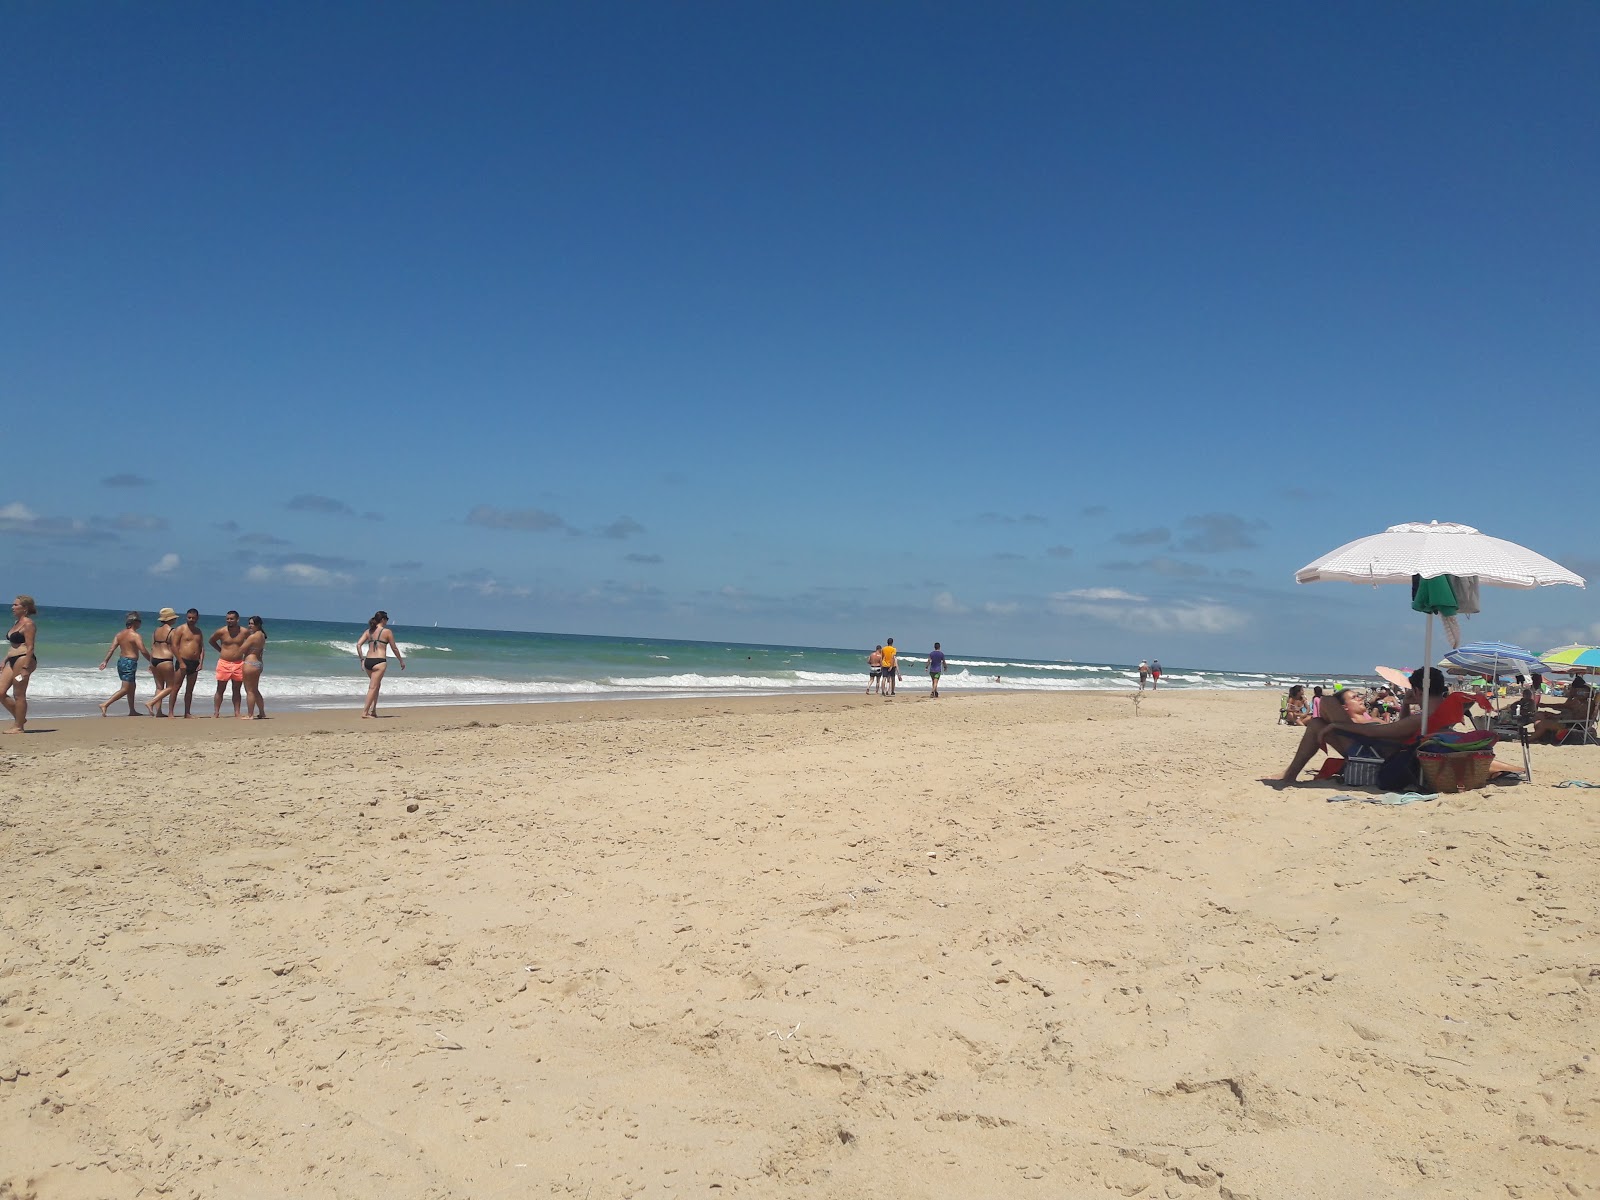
x=373, y=651
x=228, y=642
x=189, y=655
x=1144, y=674
x=890, y=670
x=935, y=668
x=255, y=647
x=21, y=662
x=128, y=646
x=163, y=666
x=875, y=671
x=1155, y=673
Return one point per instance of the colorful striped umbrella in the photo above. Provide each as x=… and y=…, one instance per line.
x=1493, y=659
x=1573, y=658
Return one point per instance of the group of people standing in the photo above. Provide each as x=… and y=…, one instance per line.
x=176, y=653
x=883, y=669
x=1150, y=672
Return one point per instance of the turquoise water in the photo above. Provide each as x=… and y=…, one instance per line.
x=312, y=664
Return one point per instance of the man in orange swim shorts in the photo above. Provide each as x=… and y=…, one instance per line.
x=228, y=642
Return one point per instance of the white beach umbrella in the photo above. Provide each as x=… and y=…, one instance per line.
x=1429, y=550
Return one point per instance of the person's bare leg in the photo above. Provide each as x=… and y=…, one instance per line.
x=1310, y=743
x=133, y=691
x=373, y=687
x=19, y=702
x=254, y=707
x=189, y=678
x=164, y=688
x=236, y=694
x=222, y=689
x=114, y=697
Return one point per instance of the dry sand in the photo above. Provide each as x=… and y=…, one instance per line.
x=980, y=946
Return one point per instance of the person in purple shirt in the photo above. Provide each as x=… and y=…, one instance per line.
x=936, y=667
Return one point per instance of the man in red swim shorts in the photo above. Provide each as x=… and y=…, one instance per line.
x=228, y=642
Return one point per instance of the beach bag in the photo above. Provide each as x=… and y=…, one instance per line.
x=1401, y=772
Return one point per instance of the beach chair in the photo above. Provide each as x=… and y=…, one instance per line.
x=1512, y=727
x=1580, y=731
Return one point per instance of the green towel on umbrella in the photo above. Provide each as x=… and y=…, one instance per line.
x=1433, y=595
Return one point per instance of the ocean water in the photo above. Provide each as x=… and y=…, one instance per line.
x=312, y=664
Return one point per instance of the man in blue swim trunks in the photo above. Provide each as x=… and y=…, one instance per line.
x=128, y=646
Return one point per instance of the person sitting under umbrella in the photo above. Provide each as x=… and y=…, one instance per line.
x=1554, y=723
x=1338, y=730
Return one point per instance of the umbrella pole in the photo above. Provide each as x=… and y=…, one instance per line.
x=1427, y=673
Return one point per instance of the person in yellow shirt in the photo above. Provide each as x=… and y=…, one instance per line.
x=890, y=671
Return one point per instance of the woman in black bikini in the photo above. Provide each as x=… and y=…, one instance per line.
x=21, y=662
x=373, y=651
x=162, y=663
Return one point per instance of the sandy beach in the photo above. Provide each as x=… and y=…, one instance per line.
x=994, y=945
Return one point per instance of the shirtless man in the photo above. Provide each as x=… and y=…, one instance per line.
x=875, y=670
x=128, y=646
x=189, y=653
x=228, y=642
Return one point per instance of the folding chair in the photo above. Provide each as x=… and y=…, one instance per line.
x=1512, y=725
x=1579, y=731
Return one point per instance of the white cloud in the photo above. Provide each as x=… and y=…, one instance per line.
x=165, y=565
x=947, y=604
x=299, y=574
x=1137, y=614
x=490, y=588
x=1100, y=593
x=17, y=517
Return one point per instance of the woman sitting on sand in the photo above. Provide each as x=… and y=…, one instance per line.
x=1355, y=704
x=21, y=662
x=1297, y=712
x=377, y=641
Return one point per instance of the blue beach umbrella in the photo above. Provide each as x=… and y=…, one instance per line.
x=1493, y=659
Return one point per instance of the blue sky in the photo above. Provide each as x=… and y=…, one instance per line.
x=1063, y=330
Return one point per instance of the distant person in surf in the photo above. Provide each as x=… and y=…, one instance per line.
x=373, y=651
x=875, y=671
x=935, y=668
x=890, y=670
x=1144, y=674
x=1155, y=673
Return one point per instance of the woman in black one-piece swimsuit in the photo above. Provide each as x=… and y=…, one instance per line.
x=20, y=664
